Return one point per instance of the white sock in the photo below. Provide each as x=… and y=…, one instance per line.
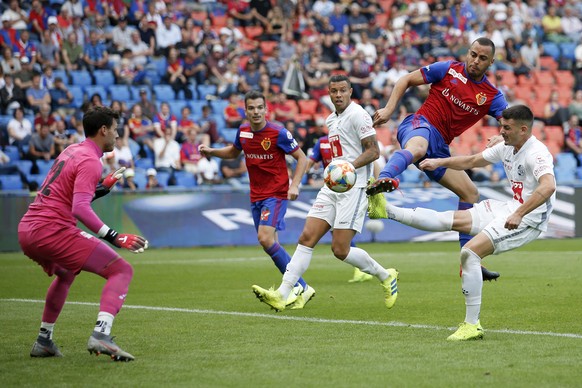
x=421, y=218
x=104, y=323
x=472, y=281
x=295, y=269
x=46, y=330
x=359, y=258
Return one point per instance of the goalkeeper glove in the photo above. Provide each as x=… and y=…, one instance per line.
x=110, y=180
x=132, y=242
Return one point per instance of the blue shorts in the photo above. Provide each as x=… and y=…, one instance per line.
x=418, y=125
x=270, y=211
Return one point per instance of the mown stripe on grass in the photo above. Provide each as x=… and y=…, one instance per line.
x=307, y=319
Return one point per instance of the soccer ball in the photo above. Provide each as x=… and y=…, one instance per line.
x=339, y=176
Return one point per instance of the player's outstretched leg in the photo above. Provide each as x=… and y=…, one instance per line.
x=271, y=297
x=489, y=275
x=382, y=185
x=101, y=343
x=390, y=286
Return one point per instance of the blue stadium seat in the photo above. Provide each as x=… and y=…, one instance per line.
x=185, y=179
x=564, y=175
x=81, y=78
x=498, y=168
x=161, y=65
x=164, y=93
x=12, y=153
x=135, y=91
x=567, y=49
x=194, y=91
x=78, y=95
x=144, y=163
x=196, y=106
x=38, y=178
x=44, y=166
x=61, y=74
x=134, y=147
x=24, y=166
x=411, y=175
x=104, y=77
x=176, y=107
x=140, y=179
x=229, y=134
x=4, y=119
x=552, y=49
x=153, y=76
x=566, y=160
x=10, y=182
x=204, y=90
x=218, y=106
x=163, y=178
x=96, y=89
x=579, y=172
x=119, y=92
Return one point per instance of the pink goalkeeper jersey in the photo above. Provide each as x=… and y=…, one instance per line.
x=456, y=102
x=76, y=170
x=265, y=152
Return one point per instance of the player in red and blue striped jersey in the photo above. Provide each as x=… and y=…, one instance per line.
x=265, y=145
x=460, y=95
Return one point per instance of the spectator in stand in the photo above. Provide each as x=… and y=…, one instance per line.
x=575, y=107
x=193, y=161
x=209, y=126
x=122, y=127
x=357, y=22
x=121, y=35
x=45, y=117
x=24, y=77
x=72, y=53
x=25, y=48
x=554, y=112
x=339, y=21
x=530, y=55
x=74, y=8
x=573, y=138
x=367, y=48
x=95, y=53
x=48, y=53
x=368, y=103
x=55, y=32
x=63, y=139
x=234, y=171
x=47, y=78
x=314, y=134
x=231, y=80
x=129, y=180
x=122, y=154
x=167, y=35
x=316, y=77
x=152, y=179
x=360, y=76
x=234, y=112
x=100, y=24
x=552, y=25
x=251, y=77
x=167, y=155
x=217, y=65
x=276, y=67
x=164, y=120
x=17, y=17
x=176, y=77
x=148, y=108
x=194, y=66
x=186, y=124
x=36, y=95
x=19, y=130
x=41, y=146
x=9, y=63
x=241, y=12
x=140, y=51
x=38, y=18
x=571, y=24
x=141, y=129
x=282, y=110
x=11, y=95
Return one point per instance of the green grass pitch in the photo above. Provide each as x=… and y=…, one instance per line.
x=191, y=320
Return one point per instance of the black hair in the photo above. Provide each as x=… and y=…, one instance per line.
x=340, y=78
x=96, y=117
x=519, y=113
x=486, y=42
x=253, y=95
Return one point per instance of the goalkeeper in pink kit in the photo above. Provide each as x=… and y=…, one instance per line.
x=48, y=235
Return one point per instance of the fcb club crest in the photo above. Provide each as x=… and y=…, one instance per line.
x=265, y=214
x=481, y=98
x=266, y=143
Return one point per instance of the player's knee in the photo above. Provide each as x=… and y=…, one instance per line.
x=340, y=251
x=119, y=267
x=468, y=258
x=265, y=240
x=471, y=195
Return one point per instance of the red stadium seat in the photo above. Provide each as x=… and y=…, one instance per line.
x=555, y=133
x=564, y=78
x=544, y=77
x=507, y=78
x=382, y=19
x=384, y=135
x=253, y=32
x=524, y=80
x=218, y=21
x=548, y=63
x=267, y=47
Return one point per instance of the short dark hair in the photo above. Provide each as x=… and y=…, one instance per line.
x=253, y=95
x=340, y=78
x=519, y=113
x=486, y=42
x=96, y=117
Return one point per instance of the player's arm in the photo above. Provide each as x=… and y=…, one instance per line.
x=455, y=162
x=228, y=152
x=300, y=170
x=411, y=79
x=370, y=154
x=545, y=189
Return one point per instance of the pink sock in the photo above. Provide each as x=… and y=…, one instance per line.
x=57, y=294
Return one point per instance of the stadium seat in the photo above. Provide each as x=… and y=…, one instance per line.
x=134, y=147
x=544, y=77
x=12, y=153
x=565, y=78
x=229, y=134
x=507, y=77
x=135, y=91
x=62, y=74
x=104, y=77
x=44, y=166
x=119, y=92
x=96, y=89
x=164, y=93
x=218, y=106
x=218, y=21
x=194, y=91
x=382, y=19
x=552, y=50
x=566, y=160
x=253, y=32
x=10, y=182
x=38, y=178
x=81, y=78
x=78, y=95
x=548, y=63
x=163, y=178
x=579, y=172
x=23, y=165
x=555, y=133
x=144, y=163
x=196, y=106
x=384, y=136
x=565, y=175
x=161, y=65
x=185, y=179
x=307, y=109
x=205, y=90
x=567, y=49
x=267, y=47
x=411, y=175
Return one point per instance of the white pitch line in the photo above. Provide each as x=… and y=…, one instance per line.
x=307, y=319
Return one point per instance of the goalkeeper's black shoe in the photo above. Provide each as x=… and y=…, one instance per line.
x=383, y=185
x=489, y=275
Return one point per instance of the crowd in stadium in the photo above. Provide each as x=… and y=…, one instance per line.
x=176, y=70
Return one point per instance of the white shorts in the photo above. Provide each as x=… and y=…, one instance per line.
x=341, y=210
x=489, y=216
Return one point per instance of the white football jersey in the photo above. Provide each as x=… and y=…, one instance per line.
x=345, y=134
x=523, y=171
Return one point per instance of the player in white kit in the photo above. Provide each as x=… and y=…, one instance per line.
x=352, y=138
x=497, y=226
